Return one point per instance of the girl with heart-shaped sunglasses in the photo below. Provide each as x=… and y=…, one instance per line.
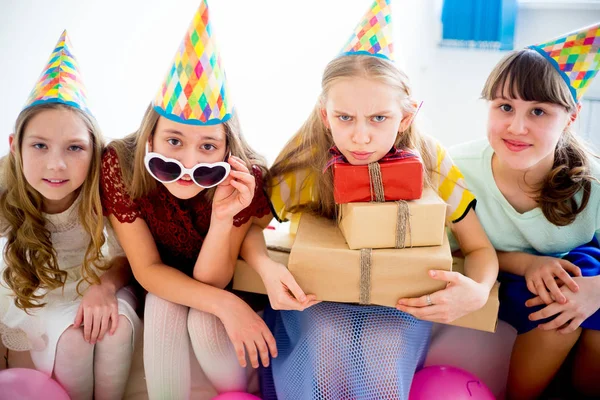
x=181, y=214
x=181, y=193
x=168, y=170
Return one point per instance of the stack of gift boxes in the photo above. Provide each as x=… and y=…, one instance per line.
x=374, y=253
x=388, y=234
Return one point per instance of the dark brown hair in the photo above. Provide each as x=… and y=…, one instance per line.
x=527, y=75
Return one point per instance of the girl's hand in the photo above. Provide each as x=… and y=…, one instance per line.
x=578, y=307
x=98, y=310
x=235, y=193
x=542, y=274
x=461, y=296
x=283, y=290
x=248, y=332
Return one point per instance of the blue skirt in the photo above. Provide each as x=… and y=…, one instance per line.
x=344, y=351
x=514, y=292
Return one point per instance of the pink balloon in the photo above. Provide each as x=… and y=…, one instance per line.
x=26, y=384
x=236, y=396
x=446, y=382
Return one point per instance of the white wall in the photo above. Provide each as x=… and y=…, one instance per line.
x=450, y=80
x=273, y=52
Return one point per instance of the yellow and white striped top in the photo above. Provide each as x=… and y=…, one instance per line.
x=450, y=184
x=297, y=188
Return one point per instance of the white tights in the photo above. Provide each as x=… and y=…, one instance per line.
x=100, y=371
x=169, y=330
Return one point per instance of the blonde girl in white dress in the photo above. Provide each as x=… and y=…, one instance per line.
x=63, y=293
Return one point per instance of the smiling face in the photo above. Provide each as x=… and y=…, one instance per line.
x=524, y=134
x=365, y=117
x=56, y=151
x=190, y=145
x=530, y=106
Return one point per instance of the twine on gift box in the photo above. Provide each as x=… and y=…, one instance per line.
x=378, y=195
x=365, y=276
x=402, y=224
x=376, y=183
x=280, y=249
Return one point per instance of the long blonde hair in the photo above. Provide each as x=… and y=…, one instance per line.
x=132, y=149
x=527, y=75
x=29, y=256
x=308, y=149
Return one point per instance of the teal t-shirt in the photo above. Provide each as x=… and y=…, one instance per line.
x=509, y=230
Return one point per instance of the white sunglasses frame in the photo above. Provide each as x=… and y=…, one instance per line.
x=190, y=171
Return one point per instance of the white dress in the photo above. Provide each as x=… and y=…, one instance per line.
x=40, y=330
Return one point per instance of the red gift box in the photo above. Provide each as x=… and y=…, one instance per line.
x=402, y=180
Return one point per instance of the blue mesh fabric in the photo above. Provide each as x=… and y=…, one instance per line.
x=344, y=351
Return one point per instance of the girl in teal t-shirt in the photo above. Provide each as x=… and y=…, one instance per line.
x=537, y=193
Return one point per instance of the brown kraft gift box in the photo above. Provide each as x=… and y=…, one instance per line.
x=322, y=263
x=374, y=225
x=486, y=318
x=280, y=243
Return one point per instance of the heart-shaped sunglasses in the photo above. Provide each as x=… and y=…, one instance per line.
x=167, y=170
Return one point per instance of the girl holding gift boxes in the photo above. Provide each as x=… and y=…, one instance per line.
x=538, y=200
x=181, y=196
x=364, y=114
x=66, y=302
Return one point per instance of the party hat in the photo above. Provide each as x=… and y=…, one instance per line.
x=60, y=81
x=575, y=56
x=373, y=35
x=195, y=91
